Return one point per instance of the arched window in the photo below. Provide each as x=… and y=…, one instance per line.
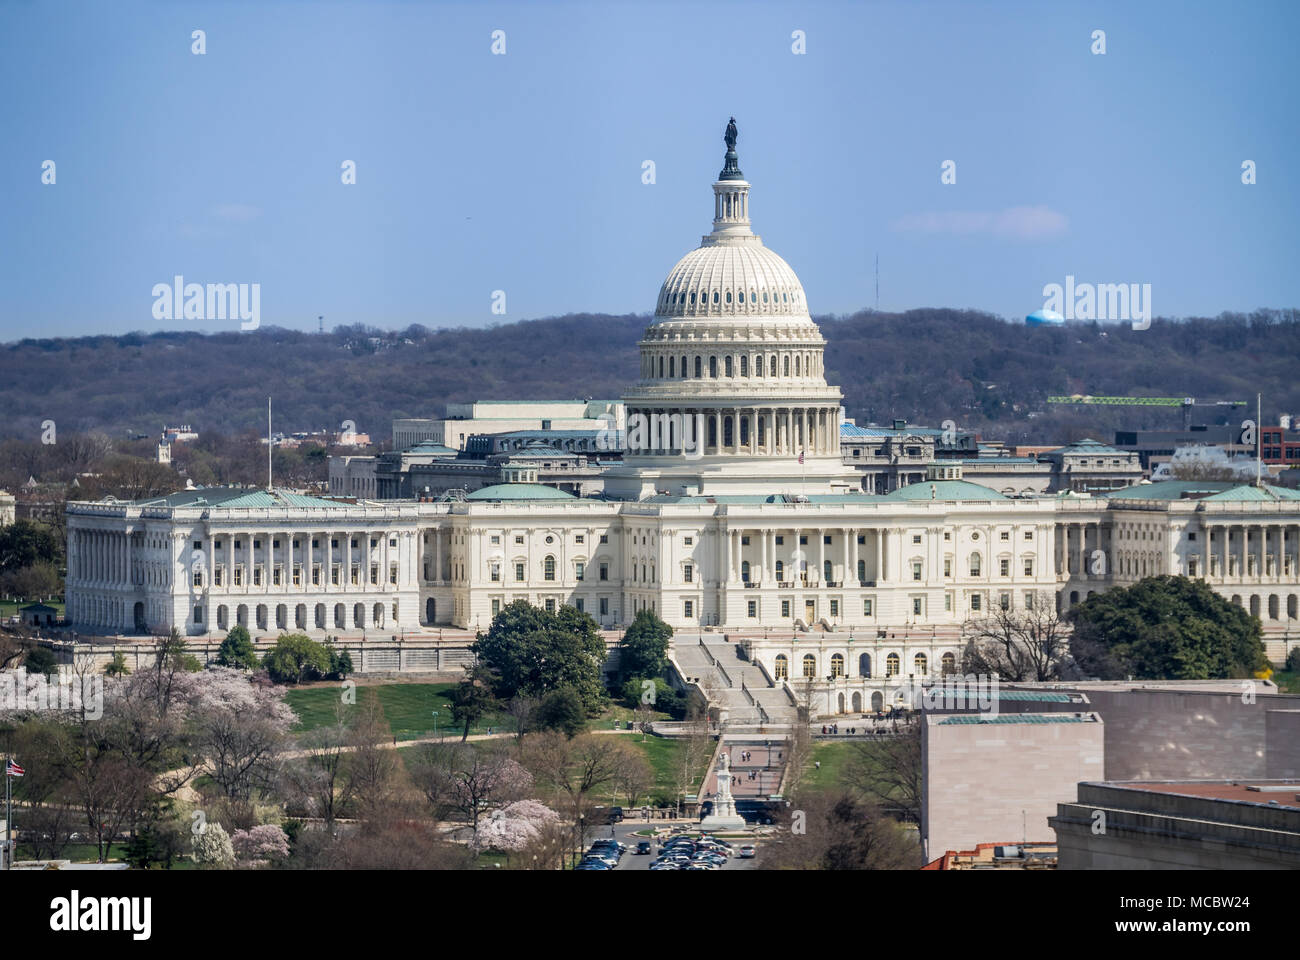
x=781, y=668
x=796, y=364
x=715, y=296
x=742, y=296
x=837, y=665
x=862, y=571
x=728, y=296
x=864, y=665
x=713, y=367
x=698, y=368
x=548, y=568
x=948, y=664
x=661, y=368
x=726, y=366
x=921, y=664
x=771, y=367
x=785, y=365
x=780, y=570
x=692, y=298
x=672, y=366
x=891, y=665
x=744, y=366
x=683, y=368
x=828, y=572
x=809, y=666
x=758, y=366
x=744, y=570
x=974, y=564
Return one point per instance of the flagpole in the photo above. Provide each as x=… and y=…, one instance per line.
x=9, y=817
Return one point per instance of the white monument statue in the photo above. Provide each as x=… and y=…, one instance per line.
x=724, y=816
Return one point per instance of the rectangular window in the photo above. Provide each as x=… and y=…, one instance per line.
x=785, y=609
x=1005, y=535
x=835, y=608
x=275, y=576
x=975, y=601
x=916, y=570
x=198, y=578
x=1005, y=601
x=604, y=606
x=198, y=614
x=519, y=540
x=496, y=607
x=257, y=576
x=866, y=608
x=495, y=572
x=803, y=541
x=947, y=534
x=1029, y=534
x=604, y=571
x=374, y=574
x=217, y=575
x=392, y=573
x=916, y=606
x=826, y=538
x=580, y=539
x=780, y=541
x=257, y=544
x=862, y=538
x=947, y=566
x=604, y=538
x=752, y=609
x=947, y=602
x=297, y=574
x=580, y=570
x=744, y=541
x=198, y=545
x=496, y=539
x=690, y=541
x=239, y=576
x=688, y=573
x=916, y=538
x=519, y=571
x=334, y=574
x=1029, y=568
x=688, y=609
x=550, y=606
x=579, y=604
x=315, y=574
x=1029, y=601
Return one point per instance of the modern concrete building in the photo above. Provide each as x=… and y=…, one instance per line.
x=1246, y=824
x=1001, y=776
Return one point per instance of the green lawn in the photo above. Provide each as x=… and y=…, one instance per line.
x=10, y=608
x=407, y=706
x=665, y=758
x=832, y=756
x=1287, y=681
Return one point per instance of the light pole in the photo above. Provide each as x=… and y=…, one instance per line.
x=435, y=724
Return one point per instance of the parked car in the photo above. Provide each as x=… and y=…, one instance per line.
x=747, y=852
x=643, y=846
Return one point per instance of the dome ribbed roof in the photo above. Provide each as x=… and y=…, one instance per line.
x=731, y=280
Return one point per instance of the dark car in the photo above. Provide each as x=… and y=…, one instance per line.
x=643, y=846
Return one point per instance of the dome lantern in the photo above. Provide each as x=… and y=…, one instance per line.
x=730, y=194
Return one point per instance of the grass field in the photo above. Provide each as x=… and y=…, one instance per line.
x=1287, y=681
x=407, y=706
x=10, y=608
x=832, y=757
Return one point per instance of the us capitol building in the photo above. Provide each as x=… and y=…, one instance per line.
x=740, y=515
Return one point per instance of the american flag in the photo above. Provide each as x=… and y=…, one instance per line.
x=801, y=456
x=13, y=770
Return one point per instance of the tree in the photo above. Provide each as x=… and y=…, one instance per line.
x=239, y=730
x=40, y=579
x=837, y=831
x=212, y=846
x=237, y=649
x=41, y=660
x=25, y=543
x=467, y=779
x=644, y=648
x=533, y=652
x=471, y=698
x=296, y=657
x=314, y=781
x=261, y=844
x=1017, y=645
x=888, y=771
x=1166, y=628
x=562, y=710
x=117, y=666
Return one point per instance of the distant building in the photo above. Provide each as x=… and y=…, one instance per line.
x=8, y=508
x=464, y=420
x=1180, y=825
x=183, y=434
x=1002, y=775
x=998, y=856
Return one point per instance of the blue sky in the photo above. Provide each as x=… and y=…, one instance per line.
x=522, y=172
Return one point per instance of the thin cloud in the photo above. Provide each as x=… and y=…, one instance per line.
x=236, y=212
x=1019, y=223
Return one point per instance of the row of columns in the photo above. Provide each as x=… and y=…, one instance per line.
x=668, y=364
x=755, y=431
x=1225, y=535
x=794, y=558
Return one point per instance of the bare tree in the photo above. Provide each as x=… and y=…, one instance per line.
x=1018, y=645
x=888, y=771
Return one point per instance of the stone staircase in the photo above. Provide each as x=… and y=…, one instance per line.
x=730, y=682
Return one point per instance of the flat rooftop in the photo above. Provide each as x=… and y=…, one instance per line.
x=1279, y=793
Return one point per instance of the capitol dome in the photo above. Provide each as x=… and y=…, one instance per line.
x=731, y=279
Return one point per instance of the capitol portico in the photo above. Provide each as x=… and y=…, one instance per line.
x=732, y=508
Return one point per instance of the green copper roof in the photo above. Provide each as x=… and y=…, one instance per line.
x=944, y=490
x=1015, y=718
x=237, y=497
x=519, y=491
x=1217, y=490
